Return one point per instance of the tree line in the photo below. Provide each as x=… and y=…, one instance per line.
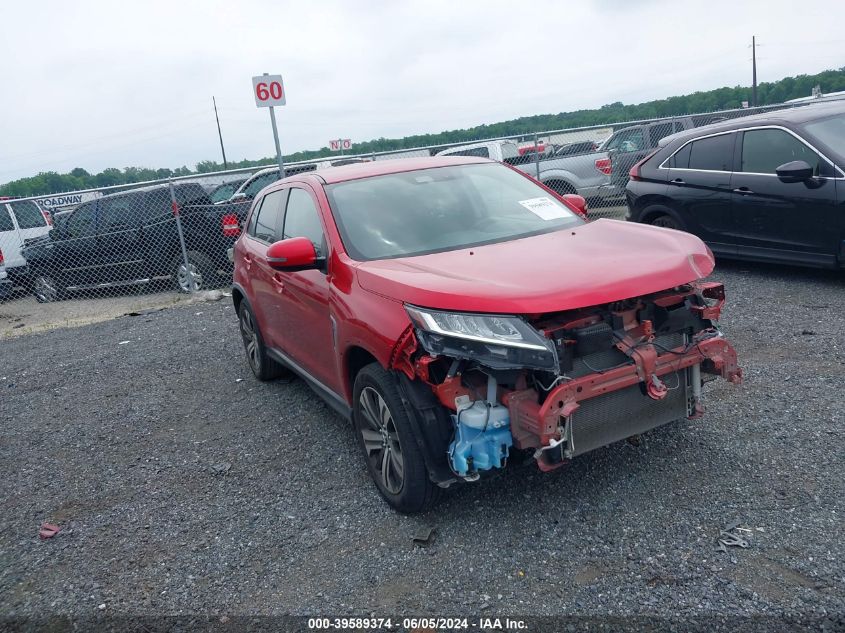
x=768, y=93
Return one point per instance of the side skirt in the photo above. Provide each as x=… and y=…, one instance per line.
x=330, y=397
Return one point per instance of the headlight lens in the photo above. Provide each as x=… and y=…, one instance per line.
x=498, y=341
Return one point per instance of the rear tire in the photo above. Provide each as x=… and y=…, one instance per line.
x=388, y=441
x=666, y=221
x=201, y=269
x=46, y=289
x=264, y=367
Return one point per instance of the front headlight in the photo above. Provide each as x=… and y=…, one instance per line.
x=497, y=341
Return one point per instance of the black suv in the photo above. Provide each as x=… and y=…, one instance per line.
x=767, y=187
x=131, y=237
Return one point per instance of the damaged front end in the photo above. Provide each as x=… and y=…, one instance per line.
x=558, y=384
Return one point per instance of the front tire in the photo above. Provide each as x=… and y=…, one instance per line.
x=389, y=442
x=264, y=367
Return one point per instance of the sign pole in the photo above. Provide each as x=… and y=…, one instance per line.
x=276, y=139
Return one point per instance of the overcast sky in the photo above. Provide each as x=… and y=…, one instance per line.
x=113, y=84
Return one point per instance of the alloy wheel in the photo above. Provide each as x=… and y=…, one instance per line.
x=251, y=343
x=381, y=440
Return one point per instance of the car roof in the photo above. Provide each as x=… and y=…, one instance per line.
x=800, y=114
x=333, y=175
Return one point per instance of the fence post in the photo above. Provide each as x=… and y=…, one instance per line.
x=175, y=206
x=536, y=155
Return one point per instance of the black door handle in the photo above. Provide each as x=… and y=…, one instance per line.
x=679, y=181
x=743, y=191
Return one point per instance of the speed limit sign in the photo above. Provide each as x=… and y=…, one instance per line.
x=268, y=91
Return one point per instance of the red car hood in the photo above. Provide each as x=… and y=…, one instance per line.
x=599, y=262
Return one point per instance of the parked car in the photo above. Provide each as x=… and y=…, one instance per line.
x=131, y=238
x=5, y=284
x=455, y=311
x=629, y=145
x=20, y=220
x=263, y=177
x=765, y=187
x=587, y=175
x=224, y=191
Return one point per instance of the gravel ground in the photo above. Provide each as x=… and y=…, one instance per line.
x=184, y=486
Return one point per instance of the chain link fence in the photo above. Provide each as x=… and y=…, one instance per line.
x=172, y=236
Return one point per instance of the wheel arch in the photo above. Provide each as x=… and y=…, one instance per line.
x=355, y=359
x=655, y=205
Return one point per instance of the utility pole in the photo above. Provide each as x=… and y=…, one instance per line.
x=219, y=133
x=753, y=71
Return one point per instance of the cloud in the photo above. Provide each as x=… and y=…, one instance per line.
x=97, y=84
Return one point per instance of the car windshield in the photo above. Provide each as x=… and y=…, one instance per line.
x=830, y=131
x=442, y=209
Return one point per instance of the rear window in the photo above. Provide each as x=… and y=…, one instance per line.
x=28, y=214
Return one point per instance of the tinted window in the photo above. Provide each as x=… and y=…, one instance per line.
x=5, y=219
x=442, y=209
x=120, y=213
x=158, y=205
x=28, y=214
x=714, y=153
x=763, y=151
x=657, y=132
x=681, y=157
x=302, y=219
x=81, y=223
x=259, y=183
x=267, y=217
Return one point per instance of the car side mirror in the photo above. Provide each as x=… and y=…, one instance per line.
x=292, y=254
x=576, y=201
x=794, y=171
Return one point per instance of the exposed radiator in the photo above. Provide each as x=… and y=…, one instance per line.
x=619, y=414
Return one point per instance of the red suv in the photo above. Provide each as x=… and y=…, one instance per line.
x=457, y=311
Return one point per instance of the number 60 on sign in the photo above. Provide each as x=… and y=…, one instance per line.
x=268, y=90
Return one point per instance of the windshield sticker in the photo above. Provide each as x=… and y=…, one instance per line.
x=545, y=208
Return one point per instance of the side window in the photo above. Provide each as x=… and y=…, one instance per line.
x=763, y=151
x=658, y=131
x=28, y=214
x=681, y=157
x=628, y=140
x=82, y=222
x=303, y=220
x=119, y=213
x=158, y=206
x=267, y=217
x=5, y=219
x=259, y=183
x=714, y=153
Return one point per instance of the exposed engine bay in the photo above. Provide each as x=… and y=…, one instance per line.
x=559, y=384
